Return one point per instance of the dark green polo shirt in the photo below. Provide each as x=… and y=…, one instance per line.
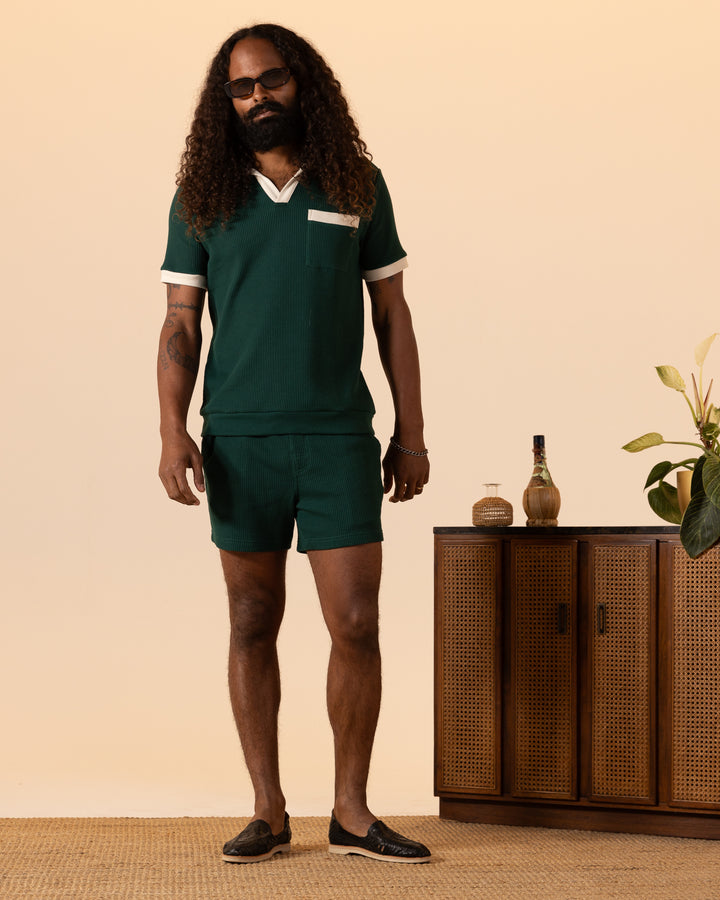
x=284, y=282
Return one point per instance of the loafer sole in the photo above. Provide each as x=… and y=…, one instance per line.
x=280, y=848
x=346, y=850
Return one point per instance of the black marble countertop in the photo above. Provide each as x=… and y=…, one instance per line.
x=516, y=530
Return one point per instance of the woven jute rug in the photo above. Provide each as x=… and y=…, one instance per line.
x=123, y=859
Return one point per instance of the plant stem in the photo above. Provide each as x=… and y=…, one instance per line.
x=692, y=408
x=706, y=408
x=700, y=382
x=698, y=403
x=687, y=444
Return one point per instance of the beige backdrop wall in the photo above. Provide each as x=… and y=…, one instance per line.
x=554, y=168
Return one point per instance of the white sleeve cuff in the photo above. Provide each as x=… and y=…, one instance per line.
x=198, y=281
x=386, y=271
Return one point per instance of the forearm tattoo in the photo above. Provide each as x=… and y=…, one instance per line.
x=174, y=307
x=173, y=348
x=177, y=306
x=178, y=356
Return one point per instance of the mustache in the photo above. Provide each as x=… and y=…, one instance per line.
x=265, y=106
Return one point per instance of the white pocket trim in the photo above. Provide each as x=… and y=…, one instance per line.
x=332, y=218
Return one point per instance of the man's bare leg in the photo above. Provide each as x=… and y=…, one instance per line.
x=256, y=591
x=348, y=583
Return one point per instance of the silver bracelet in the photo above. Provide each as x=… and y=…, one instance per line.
x=394, y=443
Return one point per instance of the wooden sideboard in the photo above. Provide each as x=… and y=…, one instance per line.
x=577, y=679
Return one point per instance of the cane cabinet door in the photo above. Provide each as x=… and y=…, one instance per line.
x=620, y=702
x=543, y=662
x=468, y=665
x=690, y=635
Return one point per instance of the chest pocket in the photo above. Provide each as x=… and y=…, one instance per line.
x=331, y=239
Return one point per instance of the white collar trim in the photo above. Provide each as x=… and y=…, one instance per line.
x=278, y=196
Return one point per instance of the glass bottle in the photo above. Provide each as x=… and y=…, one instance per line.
x=541, y=500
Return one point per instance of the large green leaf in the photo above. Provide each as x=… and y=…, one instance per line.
x=651, y=439
x=702, y=349
x=711, y=479
x=670, y=377
x=663, y=469
x=700, y=527
x=658, y=472
x=696, y=485
x=663, y=501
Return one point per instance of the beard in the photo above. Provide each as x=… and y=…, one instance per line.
x=284, y=128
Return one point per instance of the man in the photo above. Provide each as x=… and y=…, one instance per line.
x=279, y=215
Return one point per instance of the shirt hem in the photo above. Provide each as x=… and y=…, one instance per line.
x=298, y=422
x=187, y=278
x=371, y=275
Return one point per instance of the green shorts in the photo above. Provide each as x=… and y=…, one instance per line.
x=257, y=487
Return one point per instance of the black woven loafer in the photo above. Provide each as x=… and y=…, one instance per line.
x=257, y=842
x=380, y=843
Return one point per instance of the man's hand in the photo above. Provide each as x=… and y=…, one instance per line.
x=178, y=359
x=398, y=351
x=180, y=453
x=408, y=473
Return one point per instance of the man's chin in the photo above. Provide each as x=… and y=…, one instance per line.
x=270, y=131
x=263, y=139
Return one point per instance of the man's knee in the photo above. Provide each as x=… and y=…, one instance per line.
x=255, y=616
x=256, y=594
x=356, y=628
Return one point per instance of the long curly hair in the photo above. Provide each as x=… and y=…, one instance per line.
x=215, y=177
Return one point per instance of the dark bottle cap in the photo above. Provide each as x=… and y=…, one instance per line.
x=539, y=441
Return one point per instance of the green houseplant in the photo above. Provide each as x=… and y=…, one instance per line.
x=700, y=525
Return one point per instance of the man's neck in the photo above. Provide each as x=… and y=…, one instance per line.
x=278, y=164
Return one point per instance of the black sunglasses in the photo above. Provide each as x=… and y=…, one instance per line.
x=245, y=87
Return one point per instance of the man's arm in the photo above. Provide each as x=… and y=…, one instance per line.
x=177, y=368
x=398, y=351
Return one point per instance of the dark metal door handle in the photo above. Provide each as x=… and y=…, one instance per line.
x=601, y=618
x=562, y=618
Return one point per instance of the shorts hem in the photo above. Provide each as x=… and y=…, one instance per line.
x=354, y=539
x=248, y=546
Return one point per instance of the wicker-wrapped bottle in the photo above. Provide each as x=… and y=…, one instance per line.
x=541, y=500
x=492, y=510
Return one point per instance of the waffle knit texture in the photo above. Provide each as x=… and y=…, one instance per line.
x=285, y=296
